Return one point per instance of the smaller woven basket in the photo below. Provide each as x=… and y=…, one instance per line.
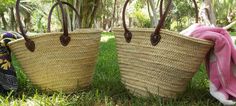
x=163, y=67
x=59, y=61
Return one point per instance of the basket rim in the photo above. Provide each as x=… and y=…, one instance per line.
x=166, y=31
x=77, y=31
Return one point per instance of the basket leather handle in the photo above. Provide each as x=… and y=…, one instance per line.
x=155, y=37
x=30, y=45
x=195, y=7
x=50, y=13
x=65, y=39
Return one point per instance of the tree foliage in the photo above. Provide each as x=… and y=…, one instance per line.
x=182, y=14
x=107, y=13
x=5, y=4
x=225, y=11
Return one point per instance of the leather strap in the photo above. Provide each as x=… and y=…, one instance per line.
x=155, y=37
x=50, y=13
x=30, y=45
x=127, y=34
x=65, y=38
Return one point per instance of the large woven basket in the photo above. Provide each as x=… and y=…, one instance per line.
x=163, y=67
x=56, y=66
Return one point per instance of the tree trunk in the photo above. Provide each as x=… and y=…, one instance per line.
x=154, y=13
x=78, y=8
x=85, y=10
x=13, y=20
x=59, y=17
x=4, y=21
x=130, y=18
x=114, y=14
x=67, y=13
x=97, y=24
x=230, y=25
x=27, y=21
x=130, y=22
x=95, y=8
x=75, y=19
x=0, y=25
x=68, y=18
x=150, y=14
x=207, y=13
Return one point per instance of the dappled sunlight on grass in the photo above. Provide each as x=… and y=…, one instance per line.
x=106, y=38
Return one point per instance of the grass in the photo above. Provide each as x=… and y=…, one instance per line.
x=233, y=33
x=107, y=89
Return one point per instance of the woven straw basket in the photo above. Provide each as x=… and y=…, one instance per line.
x=163, y=68
x=52, y=66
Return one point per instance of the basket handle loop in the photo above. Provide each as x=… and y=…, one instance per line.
x=30, y=45
x=155, y=37
x=50, y=13
x=65, y=39
x=195, y=7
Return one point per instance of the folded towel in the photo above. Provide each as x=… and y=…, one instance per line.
x=221, y=63
x=8, y=80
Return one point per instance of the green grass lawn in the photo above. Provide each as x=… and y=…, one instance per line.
x=107, y=89
x=233, y=33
